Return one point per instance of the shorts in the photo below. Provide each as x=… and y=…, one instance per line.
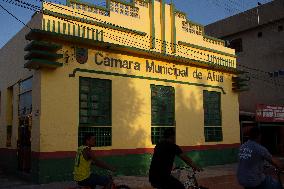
x=95, y=180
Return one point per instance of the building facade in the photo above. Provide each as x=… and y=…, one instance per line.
x=257, y=35
x=125, y=72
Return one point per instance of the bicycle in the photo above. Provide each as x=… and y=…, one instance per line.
x=274, y=172
x=112, y=185
x=187, y=176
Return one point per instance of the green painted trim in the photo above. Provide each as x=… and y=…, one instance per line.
x=88, y=4
x=61, y=169
x=36, y=63
x=194, y=23
x=58, y=26
x=206, y=49
x=124, y=2
x=42, y=55
x=210, y=157
x=180, y=12
x=163, y=23
x=64, y=28
x=83, y=20
x=37, y=34
x=152, y=22
x=79, y=32
x=173, y=19
x=48, y=25
x=131, y=3
x=74, y=30
x=142, y=77
x=42, y=45
x=93, y=34
x=53, y=25
x=215, y=39
x=108, y=4
x=69, y=30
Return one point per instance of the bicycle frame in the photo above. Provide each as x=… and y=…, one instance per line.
x=187, y=176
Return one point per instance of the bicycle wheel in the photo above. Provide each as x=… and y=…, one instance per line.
x=122, y=187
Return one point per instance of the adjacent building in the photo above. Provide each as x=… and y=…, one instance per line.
x=257, y=35
x=125, y=72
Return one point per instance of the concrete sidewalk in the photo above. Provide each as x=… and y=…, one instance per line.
x=213, y=177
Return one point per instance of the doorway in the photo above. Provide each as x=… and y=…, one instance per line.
x=272, y=139
x=25, y=126
x=24, y=144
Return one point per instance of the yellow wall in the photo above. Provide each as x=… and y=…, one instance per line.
x=131, y=105
x=141, y=24
x=56, y=95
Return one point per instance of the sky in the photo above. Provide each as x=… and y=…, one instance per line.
x=200, y=11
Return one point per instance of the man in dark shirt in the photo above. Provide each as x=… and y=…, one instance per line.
x=162, y=163
x=252, y=158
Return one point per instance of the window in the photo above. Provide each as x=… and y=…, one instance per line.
x=212, y=116
x=162, y=110
x=25, y=98
x=236, y=44
x=95, y=110
x=280, y=28
x=259, y=34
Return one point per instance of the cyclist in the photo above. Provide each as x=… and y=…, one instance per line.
x=82, y=169
x=252, y=158
x=162, y=163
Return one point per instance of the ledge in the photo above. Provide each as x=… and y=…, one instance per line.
x=36, y=34
x=40, y=63
x=91, y=22
x=42, y=55
x=42, y=45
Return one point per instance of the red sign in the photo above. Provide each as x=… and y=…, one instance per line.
x=269, y=113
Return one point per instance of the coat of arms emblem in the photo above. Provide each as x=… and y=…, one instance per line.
x=81, y=55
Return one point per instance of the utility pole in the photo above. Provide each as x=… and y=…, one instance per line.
x=257, y=12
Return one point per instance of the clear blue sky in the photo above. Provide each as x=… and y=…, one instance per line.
x=200, y=11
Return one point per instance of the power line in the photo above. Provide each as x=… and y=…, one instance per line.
x=15, y=17
x=127, y=41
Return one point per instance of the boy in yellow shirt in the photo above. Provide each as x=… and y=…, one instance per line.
x=82, y=169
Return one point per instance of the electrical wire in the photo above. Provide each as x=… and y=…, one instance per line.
x=15, y=17
x=127, y=40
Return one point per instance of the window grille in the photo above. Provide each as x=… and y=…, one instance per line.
x=95, y=110
x=212, y=116
x=162, y=110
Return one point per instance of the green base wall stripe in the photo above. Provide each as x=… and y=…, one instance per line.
x=51, y=170
x=212, y=157
x=8, y=160
x=118, y=152
x=142, y=77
